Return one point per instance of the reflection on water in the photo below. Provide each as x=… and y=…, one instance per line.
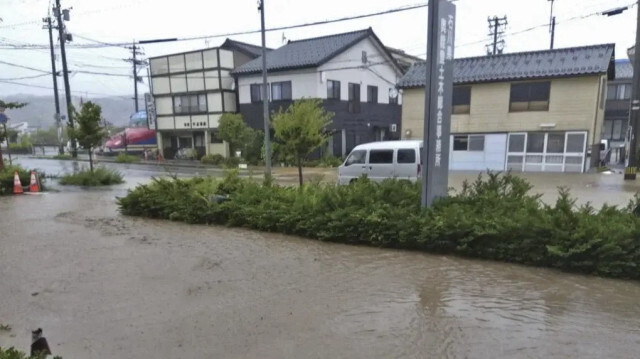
x=119, y=284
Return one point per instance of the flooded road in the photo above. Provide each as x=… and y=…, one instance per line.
x=106, y=286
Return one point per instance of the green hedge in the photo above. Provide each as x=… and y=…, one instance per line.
x=6, y=178
x=125, y=158
x=99, y=177
x=496, y=217
x=12, y=353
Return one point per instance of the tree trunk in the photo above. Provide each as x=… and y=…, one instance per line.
x=300, y=170
x=1, y=161
x=91, y=159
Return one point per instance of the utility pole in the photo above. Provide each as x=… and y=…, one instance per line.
x=57, y=117
x=58, y=12
x=497, y=26
x=634, y=118
x=265, y=98
x=134, y=51
x=552, y=24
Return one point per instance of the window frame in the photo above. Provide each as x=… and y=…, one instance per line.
x=354, y=101
x=385, y=151
x=186, y=105
x=282, y=85
x=333, y=93
x=351, y=155
x=467, y=140
x=529, y=97
x=372, y=94
x=461, y=106
x=407, y=150
x=252, y=93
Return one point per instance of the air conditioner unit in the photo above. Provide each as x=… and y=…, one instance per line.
x=393, y=128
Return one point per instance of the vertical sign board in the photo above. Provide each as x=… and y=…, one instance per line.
x=151, y=111
x=438, y=92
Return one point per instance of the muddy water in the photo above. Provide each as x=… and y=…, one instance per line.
x=105, y=286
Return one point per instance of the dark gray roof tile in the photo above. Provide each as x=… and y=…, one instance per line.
x=574, y=61
x=305, y=53
x=624, y=69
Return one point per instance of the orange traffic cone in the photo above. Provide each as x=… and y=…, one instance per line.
x=17, y=185
x=34, y=186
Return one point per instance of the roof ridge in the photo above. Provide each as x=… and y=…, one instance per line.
x=537, y=51
x=326, y=36
x=246, y=44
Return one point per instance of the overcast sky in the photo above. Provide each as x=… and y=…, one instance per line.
x=125, y=20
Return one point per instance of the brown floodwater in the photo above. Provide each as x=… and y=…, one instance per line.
x=106, y=286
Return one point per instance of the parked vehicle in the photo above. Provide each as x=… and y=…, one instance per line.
x=382, y=160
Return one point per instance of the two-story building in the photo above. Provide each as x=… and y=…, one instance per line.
x=353, y=73
x=530, y=111
x=616, y=115
x=191, y=91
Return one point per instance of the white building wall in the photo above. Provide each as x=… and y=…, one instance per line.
x=303, y=84
x=344, y=68
x=492, y=158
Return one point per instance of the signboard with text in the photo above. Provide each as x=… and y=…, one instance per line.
x=151, y=111
x=438, y=93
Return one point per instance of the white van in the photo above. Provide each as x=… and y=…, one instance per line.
x=382, y=160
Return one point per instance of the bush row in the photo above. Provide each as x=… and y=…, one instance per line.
x=496, y=217
x=99, y=177
x=220, y=160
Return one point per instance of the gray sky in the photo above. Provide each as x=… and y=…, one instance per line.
x=125, y=20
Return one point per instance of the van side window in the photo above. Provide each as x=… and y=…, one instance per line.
x=356, y=157
x=381, y=156
x=407, y=156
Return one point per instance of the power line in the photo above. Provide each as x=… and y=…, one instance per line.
x=25, y=67
x=24, y=77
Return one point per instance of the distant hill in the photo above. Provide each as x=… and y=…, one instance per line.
x=40, y=109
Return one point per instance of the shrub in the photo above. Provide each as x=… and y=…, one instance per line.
x=12, y=353
x=99, y=177
x=125, y=158
x=21, y=148
x=330, y=161
x=65, y=156
x=232, y=162
x=495, y=217
x=213, y=159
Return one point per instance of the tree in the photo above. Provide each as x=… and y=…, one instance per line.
x=235, y=131
x=4, y=133
x=88, y=132
x=301, y=129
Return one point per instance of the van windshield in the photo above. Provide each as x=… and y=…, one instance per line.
x=356, y=157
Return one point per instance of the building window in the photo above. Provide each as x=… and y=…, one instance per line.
x=281, y=91
x=190, y=104
x=461, y=100
x=215, y=137
x=333, y=89
x=372, y=94
x=472, y=143
x=256, y=93
x=354, y=98
x=530, y=96
x=619, y=92
x=614, y=129
x=380, y=156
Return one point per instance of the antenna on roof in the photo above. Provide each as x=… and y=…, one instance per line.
x=284, y=38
